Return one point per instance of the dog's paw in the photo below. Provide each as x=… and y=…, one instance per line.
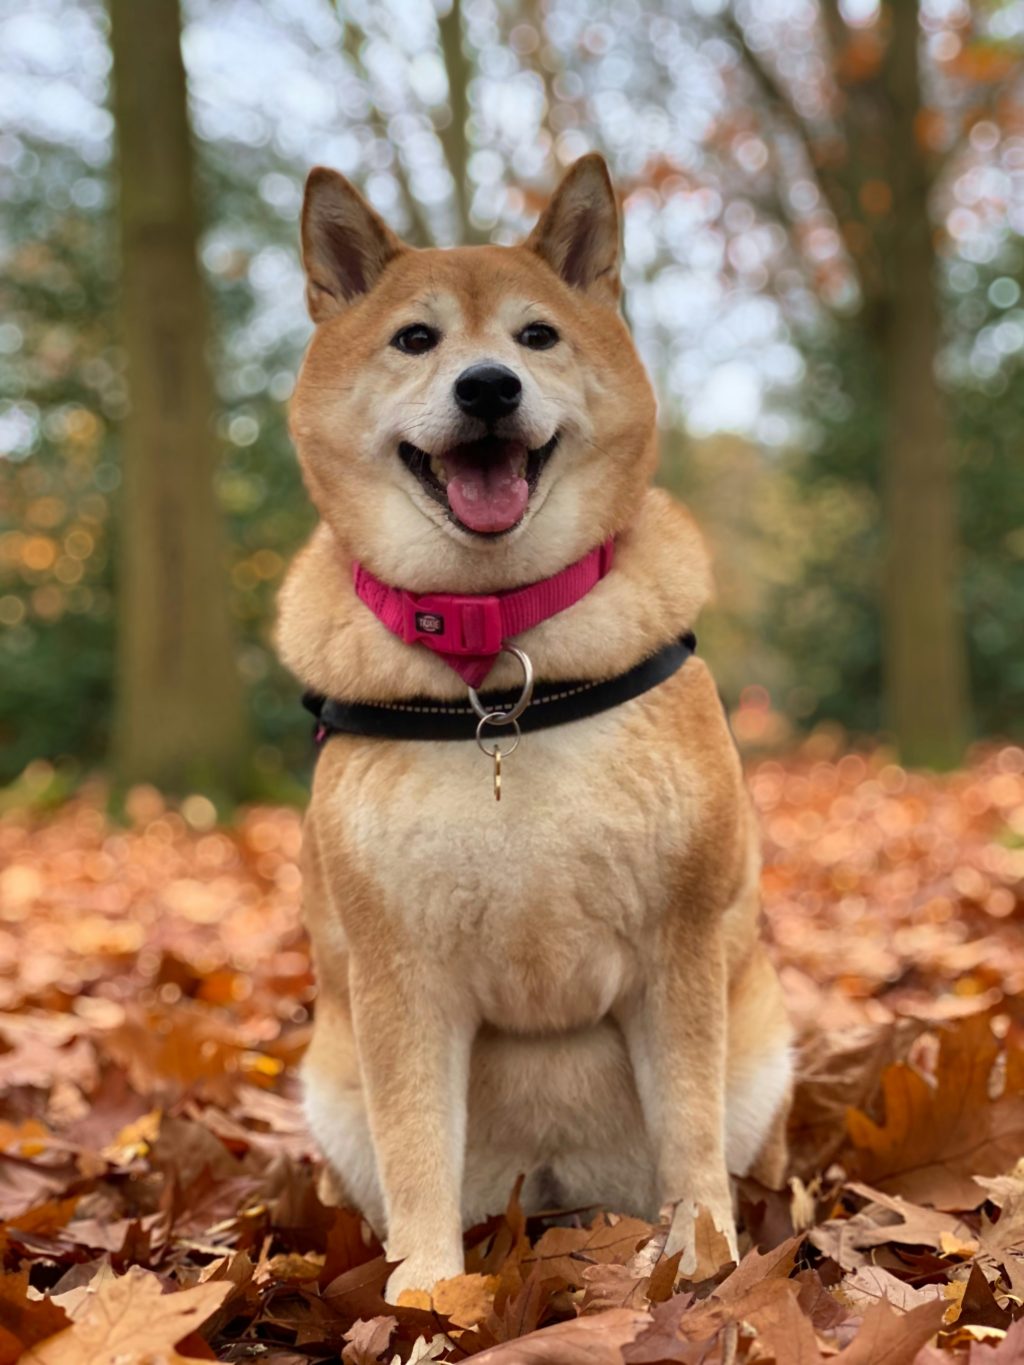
x=411, y=1282
x=706, y=1237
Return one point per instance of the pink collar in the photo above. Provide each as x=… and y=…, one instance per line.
x=468, y=631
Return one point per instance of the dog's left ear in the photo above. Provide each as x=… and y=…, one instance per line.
x=345, y=243
x=578, y=232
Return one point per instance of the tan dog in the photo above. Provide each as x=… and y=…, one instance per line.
x=568, y=984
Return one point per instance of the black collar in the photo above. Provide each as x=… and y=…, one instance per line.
x=552, y=704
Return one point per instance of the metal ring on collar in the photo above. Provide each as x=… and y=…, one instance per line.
x=526, y=695
x=497, y=718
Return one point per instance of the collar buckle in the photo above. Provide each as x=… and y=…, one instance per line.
x=451, y=623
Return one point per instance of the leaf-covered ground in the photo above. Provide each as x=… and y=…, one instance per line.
x=158, y=1194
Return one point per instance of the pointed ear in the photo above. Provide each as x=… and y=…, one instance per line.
x=578, y=232
x=345, y=243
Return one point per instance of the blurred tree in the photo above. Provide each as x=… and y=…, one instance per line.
x=736, y=266
x=180, y=710
x=874, y=152
x=458, y=68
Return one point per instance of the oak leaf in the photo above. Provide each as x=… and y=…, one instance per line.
x=938, y=1135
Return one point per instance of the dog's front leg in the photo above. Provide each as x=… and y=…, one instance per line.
x=414, y=1047
x=675, y=1031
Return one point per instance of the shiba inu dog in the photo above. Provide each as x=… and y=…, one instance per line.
x=567, y=984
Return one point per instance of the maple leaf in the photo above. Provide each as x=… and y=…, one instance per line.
x=129, y=1319
x=887, y=1337
x=613, y=1286
x=872, y=1284
x=594, y=1340
x=565, y=1252
x=937, y=1136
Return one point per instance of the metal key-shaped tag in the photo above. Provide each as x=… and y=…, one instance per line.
x=499, y=718
x=496, y=752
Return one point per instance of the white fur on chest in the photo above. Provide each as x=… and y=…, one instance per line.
x=538, y=899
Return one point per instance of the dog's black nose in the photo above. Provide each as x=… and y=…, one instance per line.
x=488, y=391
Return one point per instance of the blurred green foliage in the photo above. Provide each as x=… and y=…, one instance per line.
x=826, y=622
x=795, y=533
x=62, y=373
x=717, y=209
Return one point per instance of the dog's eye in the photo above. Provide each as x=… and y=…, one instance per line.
x=416, y=339
x=538, y=336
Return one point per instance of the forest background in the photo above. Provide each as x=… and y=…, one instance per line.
x=823, y=205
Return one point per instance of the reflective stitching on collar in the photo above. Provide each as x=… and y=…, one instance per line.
x=468, y=711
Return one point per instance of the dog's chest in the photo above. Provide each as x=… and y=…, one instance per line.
x=534, y=903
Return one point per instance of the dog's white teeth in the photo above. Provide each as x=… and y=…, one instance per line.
x=521, y=471
x=438, y=470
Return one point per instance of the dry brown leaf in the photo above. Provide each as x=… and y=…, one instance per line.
x=24, y=1321
x=596, y=1340
x=613, y=1286
x=127, y=1319
x=887, y=1337
x=871, y=1284
x=711, y=1245
x=886, y=1219
x=936, y=1137
x=366, y=1341
x=566, y=1252
x=893, y=900
x=755, y=1267
x=782, y=1327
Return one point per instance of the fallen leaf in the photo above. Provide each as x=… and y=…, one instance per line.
x=24, y=1321
x=464, y=1300
x=871, y=1284
x=367, y=1340
x=596, y=1340
x=938, y=1135
x=565, y=1252
x=887, y=1337
x=127, y=1319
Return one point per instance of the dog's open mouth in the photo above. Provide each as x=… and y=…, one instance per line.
x=485, y=484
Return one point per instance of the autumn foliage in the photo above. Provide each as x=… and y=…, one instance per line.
x=159, y=1196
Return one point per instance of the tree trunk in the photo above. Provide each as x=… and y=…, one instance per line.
x=455, y=137
x=180, y=710
x=924, y=649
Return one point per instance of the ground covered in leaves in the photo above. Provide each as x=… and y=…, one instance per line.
x=158, y=1194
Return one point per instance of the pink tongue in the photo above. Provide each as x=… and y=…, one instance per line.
x=486, y=496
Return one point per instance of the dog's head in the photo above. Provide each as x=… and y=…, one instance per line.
x=473, y=418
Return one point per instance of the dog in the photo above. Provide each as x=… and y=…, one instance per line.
x=567, y=984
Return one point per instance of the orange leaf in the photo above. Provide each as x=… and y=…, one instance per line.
x=937, y=1136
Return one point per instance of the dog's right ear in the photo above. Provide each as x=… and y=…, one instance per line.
x=345, y=243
